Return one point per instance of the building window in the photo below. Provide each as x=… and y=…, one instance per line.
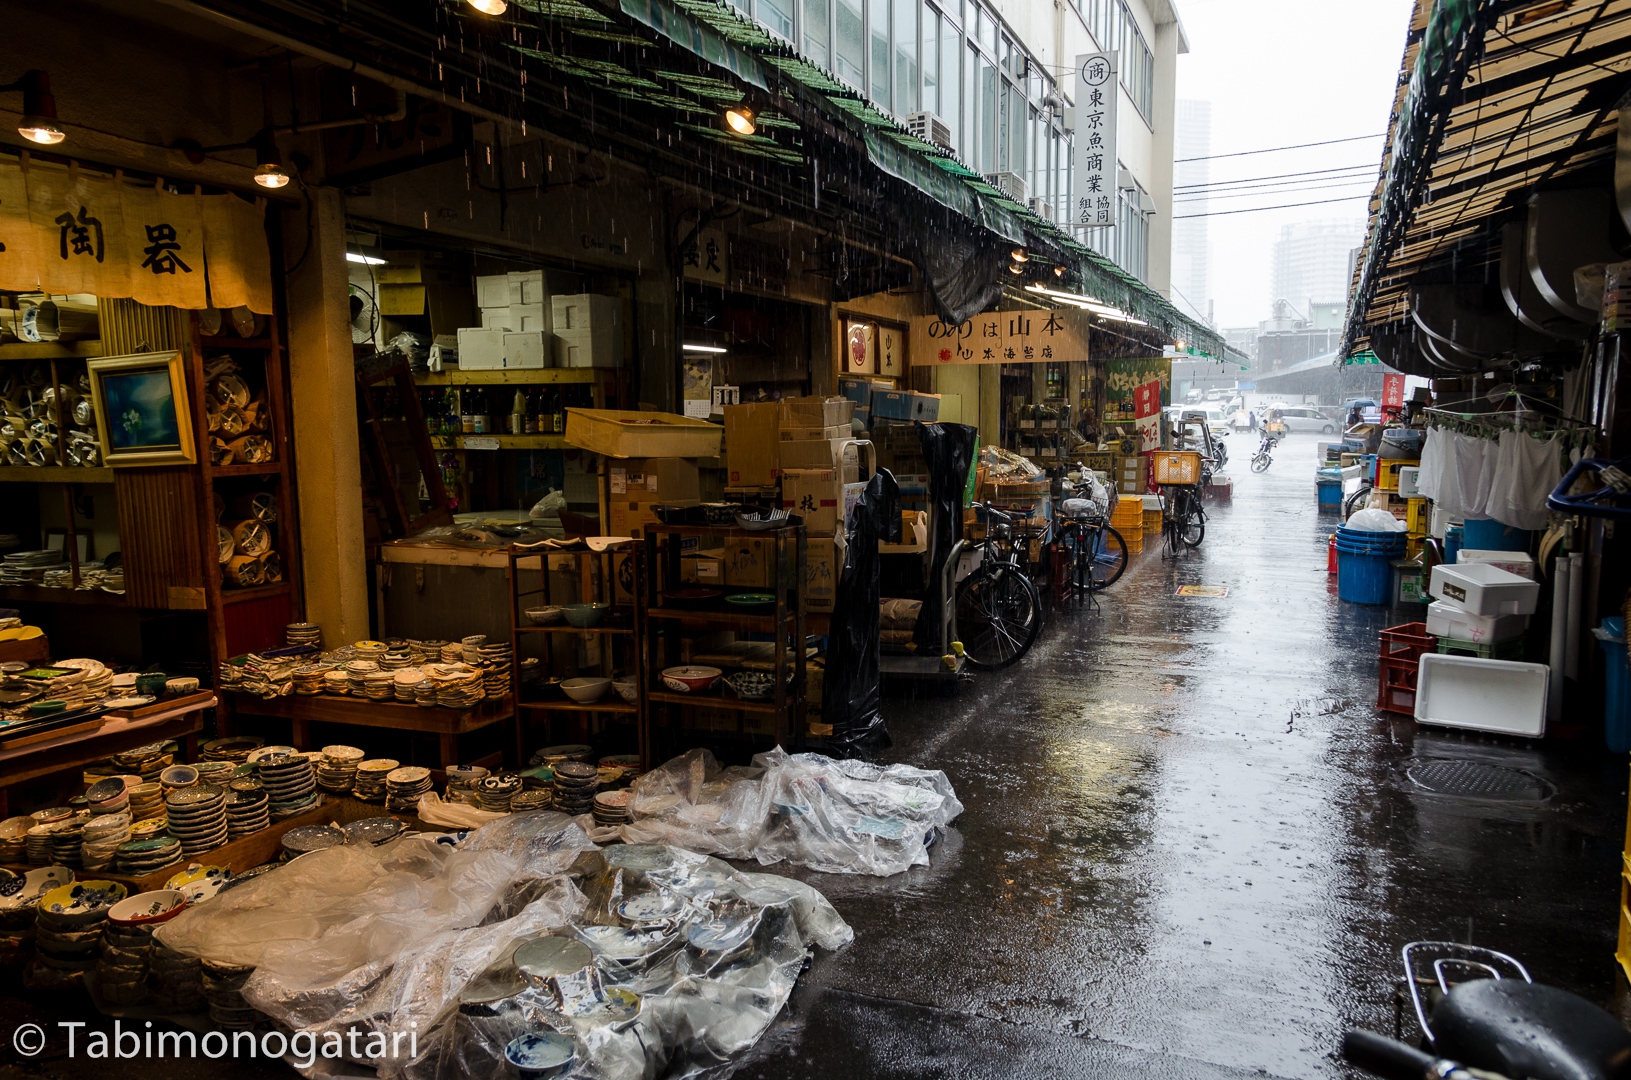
x=905, y=35
x=817, y=42
x=851, y=43
x=1114, y=28
x=880, y=54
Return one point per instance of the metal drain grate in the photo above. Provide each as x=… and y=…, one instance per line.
x=1477, y=780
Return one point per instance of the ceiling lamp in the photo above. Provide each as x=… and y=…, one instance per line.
x=1059, y=271
x=268, y=165
x=1019, y=255
x=1016, y=268
x=739, y=118
x=39, y=123
x=690, y=346
x=489, y=7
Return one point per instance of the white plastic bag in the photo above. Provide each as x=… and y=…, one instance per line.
x=1375, y=521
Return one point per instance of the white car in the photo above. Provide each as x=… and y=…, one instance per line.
x=1307, y=418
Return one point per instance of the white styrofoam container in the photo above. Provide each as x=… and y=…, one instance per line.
x=497, y=318
x=1151, y=502
x=531, y=318
x=1513, y=562
x=480, y=350
x=600, y=347
x=586, y=311
x=527, y=287
x=1446, y=618
x=1484, y=589
x=529, y=349
x=1500, y=696
x=1438, y=522
x=493, y=291
x=1409, y=475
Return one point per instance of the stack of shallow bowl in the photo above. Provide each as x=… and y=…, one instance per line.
x=308, y=678
x=69, y=920
x=337, y=769
x=248, y=807
x=575, y=785
x=357, y=672
x=303, y=633
x=176, y=980
x=532, y=799
x=140, y=857
x=68, y=839
x=145, y=761
x=461, y=783
x=611, y=808
x=336, y=681
x=14, y=839
x=147, y=801
x=127, y=943
x=108, y=796
x=470, y=648
x=397, y=657
x=451, y=652
x=223, y=988
x=461, y=691
x=403, y=788
x=198, y=818
x=493, y=793
x=371, y=775
x=297, y=842
x=215, y=772
x=290, y=782
x=233, y=748
x=554, y=755
x=101, y=839
x=18, y=896
x=370, y=650
x=405, y=682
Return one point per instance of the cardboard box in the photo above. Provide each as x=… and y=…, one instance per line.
x=817, y=412
x=856, y=390
x=891, y=405
x=480, y=350
x=794, y=434
x=657, y=479
x=628, y=517
x=625, y=433
x=752, y=441
x=808, y=454
x=925, y=407
x=528, y=349
x=750, y=563
x=823, y=563
x=815, y=495
x=703, y=567
x=1131, y=474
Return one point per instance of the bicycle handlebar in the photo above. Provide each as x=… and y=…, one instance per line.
x=1395, y=1061
x=1006, y=519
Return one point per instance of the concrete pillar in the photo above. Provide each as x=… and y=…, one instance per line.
x=323, y=392
x=1168, y=44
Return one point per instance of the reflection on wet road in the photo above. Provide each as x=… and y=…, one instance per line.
x=1190, y=847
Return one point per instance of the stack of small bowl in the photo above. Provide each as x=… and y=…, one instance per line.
x=145, y=761
x=532, y=799
x=357, y=672
x=110, y=796
x=370, y=650
x=398, y=656
x=461, y=783
x=493, y=793
x=176, y=980
x=38, y=841
x=290, y=782
x=68, y=839
x=470, y=648
x=371, y=775
x=223, y=988
x=337, y=769
x=127, y=943
x=248, y=807
x=140, y=857
x=147, y=801
x=336, y=681
x=303, y=633
x=461, y=689
x=69, y=920
x=233, y=748
x=404, y=786
x=101, y=839
x=215, y=772
x=611, y=808
x=452, y=652
x=405, y=682
x=308, y=678
x=575, y=785
x=198, y=818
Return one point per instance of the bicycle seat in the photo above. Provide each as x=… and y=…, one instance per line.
x=1525, y=1029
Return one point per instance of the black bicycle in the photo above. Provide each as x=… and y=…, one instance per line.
x=999, y=610
x=1095, y=553
x=1185, y=521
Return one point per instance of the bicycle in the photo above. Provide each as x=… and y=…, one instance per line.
x=1095, y=553
x=1185, y=521
x=999, y=610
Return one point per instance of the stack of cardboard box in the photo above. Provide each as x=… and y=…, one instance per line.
x=515, y=330
x=821, y=479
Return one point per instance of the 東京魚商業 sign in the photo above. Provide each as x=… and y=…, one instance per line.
x=1093, y=185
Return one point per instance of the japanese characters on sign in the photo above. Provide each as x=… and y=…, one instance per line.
x=707, y=257
x=1034, y=336
x=1093, y=191
x=1392, y=393
x=1147, y=413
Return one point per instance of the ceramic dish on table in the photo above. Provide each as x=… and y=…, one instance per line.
x=761, y=521
x=585, y=616
x=540, y=1054
x=199, y=883
x=690, y=678
x=18, y=891
x=751, y=601
x=80, y=903
x=585, y=691
x=752, y=685
x=549, y=615
x=148, y=908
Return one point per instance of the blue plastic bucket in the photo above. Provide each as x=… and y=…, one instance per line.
x=1330, y=493
x=1616, y=691
x=1365, y=564
x=1453, y=544
x=1487, y=534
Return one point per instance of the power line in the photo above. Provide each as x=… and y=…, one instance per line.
x=1276, y=189
x=1256, y=209
x=1277, y=149
x=1273, y=176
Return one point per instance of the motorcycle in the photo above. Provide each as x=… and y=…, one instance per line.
x=1483, y=1018
x=1263, y=459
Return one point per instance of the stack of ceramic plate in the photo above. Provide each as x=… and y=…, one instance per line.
x=175, y=979
x=248, y=808
x=145, y=761
x=198, y=818
x=611, y=808
x=215, y=772
x=554, y=755
x=290, y=782
x=303, y=633
x=424, y=692
x=336, y=682
x=68, y=926
x=311, y=838
x=308, y=678
x=379, y=685
x=337, y=768
x=628, y=764
x=461, y=692
x=493, y=793
x=461, y=783
x=403, y=788
x=147, y=801
x=372, y=831
x=470, y=648
x=28, y=567
x=101, y=838
x=357, y=672
x=496, y=670
x=370, y=650
x=67, y=839
x=397, y=657
x=452, y=652
x=94, y=682
x=532, y=799
x=404, y=682
x=233, y=748
x=223, y=989
x=371, y=778
x=108, y=796
x=14, y=839
x=575, y=786
x=138, y=858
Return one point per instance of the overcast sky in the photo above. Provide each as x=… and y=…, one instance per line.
x=1281, y=72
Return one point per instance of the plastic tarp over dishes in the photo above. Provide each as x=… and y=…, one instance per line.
x=640, y=960
x=839, y=817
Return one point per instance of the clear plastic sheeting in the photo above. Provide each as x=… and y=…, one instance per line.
x=674, y=963
x=838, y=817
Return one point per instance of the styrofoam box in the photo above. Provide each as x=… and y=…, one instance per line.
x=600, y=347
x=586, y=311
x=1409, y=475
x=1513, y=562
x=522, y=318
x=1446, y=618
x=527, y=287
x=1500, y=696
x=480, y=350
x=1151, y=502
x=493, y=291
x=1438, y=522
x=1484, y=590
x=529, y=349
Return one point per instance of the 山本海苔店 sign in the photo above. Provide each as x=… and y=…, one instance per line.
x=1031, y=336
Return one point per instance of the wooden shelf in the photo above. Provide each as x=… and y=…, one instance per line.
x=39, y=594
x=568, y=705
x=230, y=595
x=710, y=699
x=565, y=629
x=505, y=442
x=50, y=350
x=55, y=474
x=511, y=376
x=366, y=712
x=738, y=619
x=271, y=468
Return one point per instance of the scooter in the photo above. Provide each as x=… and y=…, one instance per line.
x=1262, y=459
x=1483, y=1018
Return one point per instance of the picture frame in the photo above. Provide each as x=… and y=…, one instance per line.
x=143, y=415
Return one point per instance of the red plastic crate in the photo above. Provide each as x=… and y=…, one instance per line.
x=1396, y=685
x=1408, y=641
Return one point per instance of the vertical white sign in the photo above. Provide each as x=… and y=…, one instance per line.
x=1093, y=188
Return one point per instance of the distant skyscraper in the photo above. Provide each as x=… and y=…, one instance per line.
x=1311, y=262
x=1191, y=239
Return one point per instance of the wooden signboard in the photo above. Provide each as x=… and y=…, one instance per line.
x=1001, y=337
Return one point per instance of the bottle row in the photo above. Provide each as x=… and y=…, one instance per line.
x=500, y=410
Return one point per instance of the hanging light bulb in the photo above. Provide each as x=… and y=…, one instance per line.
x=1059, y=271
x=490, y=7
x=39, y=123
x=1019, y=255
x=1016, y=268
x=271, y=176
x=739, y=118
x=268, y=165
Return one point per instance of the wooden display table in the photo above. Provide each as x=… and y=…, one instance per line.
x=97, y=740
x=448, y=724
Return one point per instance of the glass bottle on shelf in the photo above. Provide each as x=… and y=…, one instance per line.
x=557, y=408
x=482, y=420
x=467, y=417
x=518, y=413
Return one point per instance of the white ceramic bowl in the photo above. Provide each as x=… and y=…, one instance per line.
x=148, y=907
x=585, y=691
x=545, y=616
x=690, y=678
x=627, y=689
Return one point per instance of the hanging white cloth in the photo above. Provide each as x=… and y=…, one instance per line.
x=1475, y=471
x=1528, y=470
x=1430, y=478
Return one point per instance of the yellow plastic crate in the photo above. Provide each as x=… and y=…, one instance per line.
x=1128, y=514
x=1416, y=517
x=1152, y=521
x=1134, y=540
x=1177, y=467
x=1387, y=473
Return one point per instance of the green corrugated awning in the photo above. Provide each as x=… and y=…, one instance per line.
x=1366, y=357
x=694, y=36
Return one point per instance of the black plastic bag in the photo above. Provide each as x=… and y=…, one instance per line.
x=949, y=450
x=849, y=688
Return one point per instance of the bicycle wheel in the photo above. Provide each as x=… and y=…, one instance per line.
x=1172, y=527
x=1102, y=560
x=1355, y=502
x=999, y=614
x=1260, y=463
x=1194, y=530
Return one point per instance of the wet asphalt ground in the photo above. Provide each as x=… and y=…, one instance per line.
x=1191, y=846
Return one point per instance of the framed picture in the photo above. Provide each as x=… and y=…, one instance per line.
x=142, y=413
